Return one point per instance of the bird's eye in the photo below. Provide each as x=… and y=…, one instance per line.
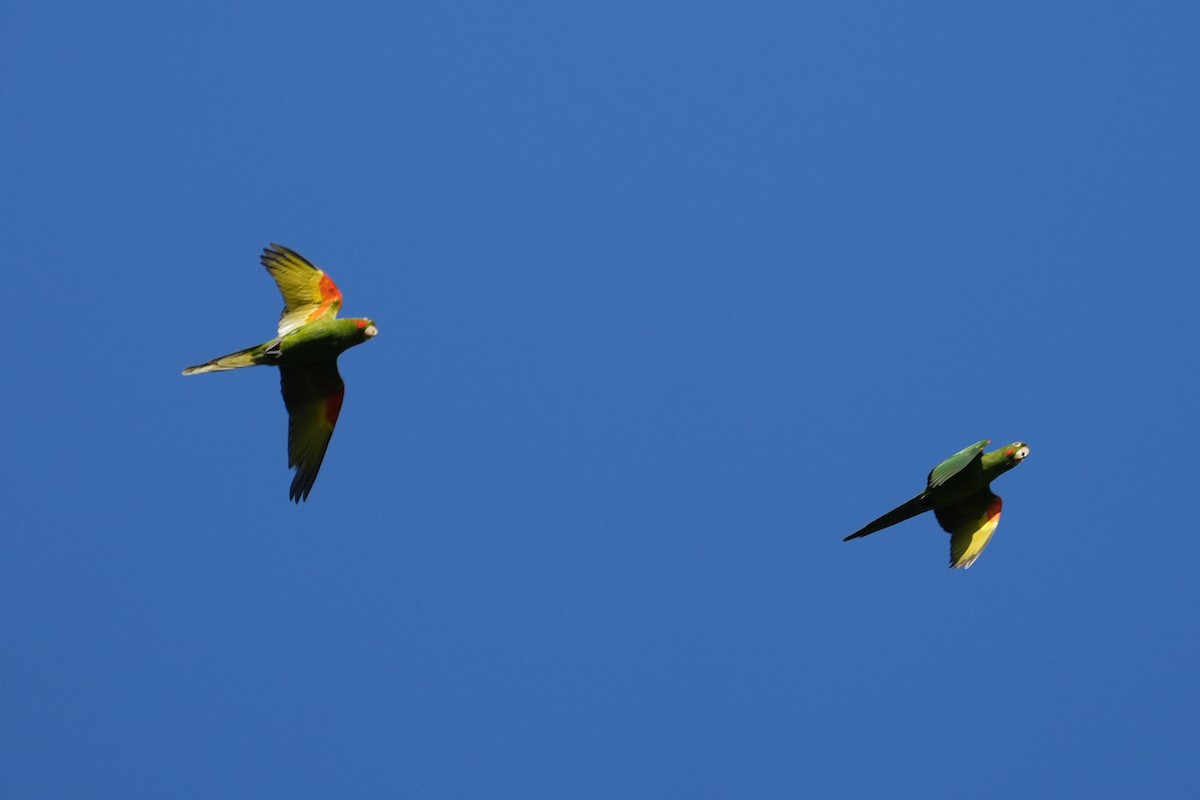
x=1024, y=451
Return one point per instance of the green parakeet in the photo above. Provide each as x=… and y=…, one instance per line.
x=959, y=497
x=306, y=349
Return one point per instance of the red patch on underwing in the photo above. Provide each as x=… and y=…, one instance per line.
x=333, y=407
x=994, y=509
x=329, y=292
x=330, y=296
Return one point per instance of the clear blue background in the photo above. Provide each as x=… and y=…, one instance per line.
x=671, y=298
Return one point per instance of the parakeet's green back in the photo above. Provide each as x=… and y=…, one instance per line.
x=955, y=464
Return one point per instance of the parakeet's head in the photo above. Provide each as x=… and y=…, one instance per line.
x=1011, y=455
x=366, y=328
x=1016, y=452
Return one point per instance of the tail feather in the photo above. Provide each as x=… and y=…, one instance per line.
x=918, y=505
x=250, y=357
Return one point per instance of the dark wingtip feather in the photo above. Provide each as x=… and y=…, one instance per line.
x=272, y=255
x=302, y=484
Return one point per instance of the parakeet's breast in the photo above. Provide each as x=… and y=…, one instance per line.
x=318, y=341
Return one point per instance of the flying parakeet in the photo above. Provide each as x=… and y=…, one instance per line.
x=306, y=350
x=959, y=497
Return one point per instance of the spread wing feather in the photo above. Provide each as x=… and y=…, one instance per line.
x=313, y=396
x=308, y=293
x=970, y=523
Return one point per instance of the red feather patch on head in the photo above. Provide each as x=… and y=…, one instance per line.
x=362, y=323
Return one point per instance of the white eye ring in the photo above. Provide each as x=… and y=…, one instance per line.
x=1024, y=451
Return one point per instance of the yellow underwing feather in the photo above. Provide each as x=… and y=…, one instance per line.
x=308, y=293
x=970, y=524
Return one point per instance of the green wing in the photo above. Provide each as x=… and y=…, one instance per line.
x=956, y=463
x=970, y=523
x=313, y=396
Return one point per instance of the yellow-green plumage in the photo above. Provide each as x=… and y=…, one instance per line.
x=958, y=494
x=306, y=349
x=250, y=357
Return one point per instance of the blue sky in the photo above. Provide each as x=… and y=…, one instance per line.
x=671, y=298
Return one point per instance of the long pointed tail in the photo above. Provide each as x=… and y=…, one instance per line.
x=251, y=356
x=918, y=505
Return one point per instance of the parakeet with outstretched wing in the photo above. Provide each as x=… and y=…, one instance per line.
x=958, y=494
x=306, y=350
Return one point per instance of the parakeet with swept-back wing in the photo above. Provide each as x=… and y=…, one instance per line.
x=306, y=351
x=958, y=494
